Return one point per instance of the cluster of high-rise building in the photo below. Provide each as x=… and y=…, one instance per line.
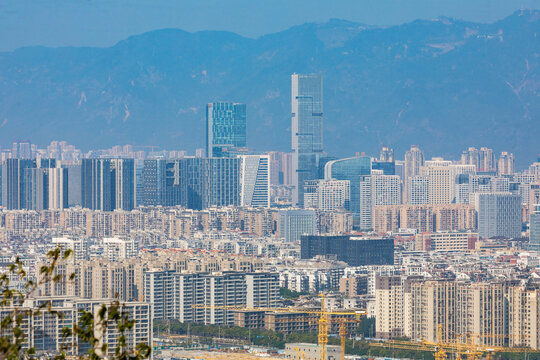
x=123, y=184
x=381, y=193
x=422, y=244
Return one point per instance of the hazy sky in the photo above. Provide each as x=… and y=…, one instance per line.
x=104, y=22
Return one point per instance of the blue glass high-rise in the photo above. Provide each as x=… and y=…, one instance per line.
x=225, y=128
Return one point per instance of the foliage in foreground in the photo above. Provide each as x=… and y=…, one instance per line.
x=13, y=314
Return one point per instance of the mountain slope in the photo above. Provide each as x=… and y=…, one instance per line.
x=443, y=84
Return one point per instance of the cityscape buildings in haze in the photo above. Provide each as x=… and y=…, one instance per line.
x=409, y=249
x=369, y=227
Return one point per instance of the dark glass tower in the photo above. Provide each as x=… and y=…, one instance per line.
x=96, y=184
x=153, y=183
x=209, y=182
x=15, y=176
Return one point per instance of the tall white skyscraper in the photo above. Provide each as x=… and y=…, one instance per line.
x=385, y=190
x=58, y=188
x=255, y=180
x=306, y=129
x=440, y=184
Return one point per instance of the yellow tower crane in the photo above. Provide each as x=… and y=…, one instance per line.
x=441, y=348
x=322, y=314
x=323, y=331
x=343, y=336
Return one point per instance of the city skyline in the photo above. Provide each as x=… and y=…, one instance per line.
x=150, y=104
x=140, y=152
x=227, y=194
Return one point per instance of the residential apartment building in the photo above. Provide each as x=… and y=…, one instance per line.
x=424, y=218
x=197, y=297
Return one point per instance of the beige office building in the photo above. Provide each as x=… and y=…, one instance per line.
x=445, y=241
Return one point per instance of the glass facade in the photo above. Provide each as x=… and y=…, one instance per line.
x=206, y=182
x=225, y=128
x=96, y=184
x=387, y=167
x=351, y=169
x=307, y=129
x=152, y=181
x=123, y=184
x=355, y=251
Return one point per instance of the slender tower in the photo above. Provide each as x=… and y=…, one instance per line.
x=306, y=129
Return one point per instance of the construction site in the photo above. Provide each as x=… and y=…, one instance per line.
x=331, y=326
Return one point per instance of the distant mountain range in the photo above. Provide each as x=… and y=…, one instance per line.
x=444, y=84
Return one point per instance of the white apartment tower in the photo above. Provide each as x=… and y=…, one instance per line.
x=116, y=249
x=327, y=195
x=375, y=190
x=78, y=246
x=506, y=164
x=440, y=182
x=418, y=193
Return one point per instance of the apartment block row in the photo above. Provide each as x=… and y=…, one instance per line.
x=43, y=327
x=204, y=297
x=101, y=278
x=497, y=313
x=176, y=223
x=424, y=218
